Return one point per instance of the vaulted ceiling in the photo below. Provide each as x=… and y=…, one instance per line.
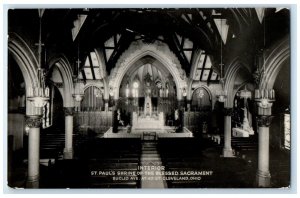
x=77, y=32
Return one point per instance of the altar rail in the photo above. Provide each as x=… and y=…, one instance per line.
x=93, y=121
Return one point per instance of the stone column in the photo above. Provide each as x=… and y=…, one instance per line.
x=68, y=150
x=189, y=102
x=227, y=150
x=116, y=103
x=263, y=175
x=114, y=114
x=33, y=122
x=78, y=105
x=106, y=104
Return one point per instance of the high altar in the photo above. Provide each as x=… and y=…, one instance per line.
x=148, y=118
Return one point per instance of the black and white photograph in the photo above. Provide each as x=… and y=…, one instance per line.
x=149, y=98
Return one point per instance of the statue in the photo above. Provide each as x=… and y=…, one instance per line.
x=148, y=104
x=246, y=126
x=120, y=121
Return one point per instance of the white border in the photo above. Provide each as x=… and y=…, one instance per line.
x=153, y=3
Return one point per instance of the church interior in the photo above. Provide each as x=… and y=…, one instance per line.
x=148, y=98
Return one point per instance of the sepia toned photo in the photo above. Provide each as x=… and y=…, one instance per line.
x=149, y=98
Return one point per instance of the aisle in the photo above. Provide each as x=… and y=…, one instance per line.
x=150, y=157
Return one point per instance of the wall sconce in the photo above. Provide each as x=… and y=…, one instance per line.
x=39, y=95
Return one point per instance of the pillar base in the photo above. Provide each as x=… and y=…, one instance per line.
x=32, y=182
x=227, y=153
x=68, y=153
x=263, y=179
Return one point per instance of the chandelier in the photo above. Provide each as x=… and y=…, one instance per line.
x=78, y=86
x=78, y=90
x=245, y=94
x=38, y=95
x=264, y=97
x=221, y=94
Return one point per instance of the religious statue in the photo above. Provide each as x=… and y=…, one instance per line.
x=148, y=103
x=120, y=121
x=246, y=126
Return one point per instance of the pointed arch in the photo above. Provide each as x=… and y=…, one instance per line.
x=206, y=88
x=279, y=54
x=203, y=87
x=88, y=85
x=65, y=69
x=158, y=51
x=233, y=68
x=27, y=62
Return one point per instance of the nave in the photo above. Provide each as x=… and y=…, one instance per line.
x=177, y=155
x=203, y=91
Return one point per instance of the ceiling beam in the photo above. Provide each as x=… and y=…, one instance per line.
x=92, y=66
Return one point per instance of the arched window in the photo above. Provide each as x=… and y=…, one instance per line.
x=201, y=99
x=93, y=99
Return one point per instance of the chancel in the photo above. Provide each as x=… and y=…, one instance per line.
x=149, y=98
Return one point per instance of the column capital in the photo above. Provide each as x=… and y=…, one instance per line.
x=33, y=121
x=264, y=121
x=228, y=111
x=69, y=111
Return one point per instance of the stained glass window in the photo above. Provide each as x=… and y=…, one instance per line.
x=287, y=131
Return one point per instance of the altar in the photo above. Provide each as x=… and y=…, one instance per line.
x=147, y=118
x=143, y=121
